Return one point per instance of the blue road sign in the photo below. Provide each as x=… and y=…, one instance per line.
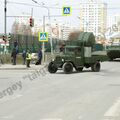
x=66, y=11
x=43, y=36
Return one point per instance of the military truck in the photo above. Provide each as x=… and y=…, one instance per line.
x=113, y=49
x=78, y=54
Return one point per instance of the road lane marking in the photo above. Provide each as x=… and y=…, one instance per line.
x=7, y=117
x=11, y=98
x=80, y=117
x=52, y=119
x=114, y=112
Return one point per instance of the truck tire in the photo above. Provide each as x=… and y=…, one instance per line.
x=79, y=69
x=52, y=68
x=96, y=67
x=67, y=67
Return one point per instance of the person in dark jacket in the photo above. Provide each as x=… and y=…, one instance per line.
x=13, y=56
x=39, y=57
x=24, y=57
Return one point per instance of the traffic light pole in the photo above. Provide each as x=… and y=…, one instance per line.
x=43, y=45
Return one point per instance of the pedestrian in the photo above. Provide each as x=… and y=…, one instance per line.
x=62, y=47
x=28, y=58
x=24, y=57
x=15, y=44
x=39, y=57
x=13, y=56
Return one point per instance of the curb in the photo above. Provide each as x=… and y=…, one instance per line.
x=20, y=68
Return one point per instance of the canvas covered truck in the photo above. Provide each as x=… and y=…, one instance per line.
x=78, y=54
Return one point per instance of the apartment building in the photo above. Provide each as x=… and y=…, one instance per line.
x=60, y=30
x=93, y=16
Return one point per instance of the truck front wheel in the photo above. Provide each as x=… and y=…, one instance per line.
x=52, y=68
x=96, y=67
x=67, y=67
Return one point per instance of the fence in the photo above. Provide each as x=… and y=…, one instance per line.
x=31, y=42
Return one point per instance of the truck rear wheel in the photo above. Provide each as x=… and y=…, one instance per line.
x=67, y=67
x=96, y=67
x=52, y=68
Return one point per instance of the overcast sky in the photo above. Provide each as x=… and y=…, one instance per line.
x=38, y=12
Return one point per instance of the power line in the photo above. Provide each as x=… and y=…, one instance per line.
x=20, y=16
x=26, y=4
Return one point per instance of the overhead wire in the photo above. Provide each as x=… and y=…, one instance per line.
x=27, y=4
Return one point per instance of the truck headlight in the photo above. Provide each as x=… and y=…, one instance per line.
x=53, y=59
x=63, y=60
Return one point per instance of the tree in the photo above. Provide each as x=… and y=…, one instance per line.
x=73, y=35
x=21, y=28
x=15, y=28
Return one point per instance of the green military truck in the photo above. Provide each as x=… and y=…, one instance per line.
x=113, y=50
x=78, y=54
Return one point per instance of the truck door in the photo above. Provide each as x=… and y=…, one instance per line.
x=78, y=57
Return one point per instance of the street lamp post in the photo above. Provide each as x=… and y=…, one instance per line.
x=43, y=45
x=50, y=30
x=87, y=23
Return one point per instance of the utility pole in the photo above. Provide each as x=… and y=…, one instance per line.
x=5, y=13
x=5, y=23
x=43, y=44
x=32, y=22
x=31, y=12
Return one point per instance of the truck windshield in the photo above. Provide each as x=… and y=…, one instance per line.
x=72, y=50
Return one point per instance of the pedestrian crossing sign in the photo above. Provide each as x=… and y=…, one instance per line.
x=43, y=36
x=66, y=11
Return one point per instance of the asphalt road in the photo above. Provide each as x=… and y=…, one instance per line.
x=38, y=95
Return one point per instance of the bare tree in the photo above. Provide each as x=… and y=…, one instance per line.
x=73, y=35
x=21, y=28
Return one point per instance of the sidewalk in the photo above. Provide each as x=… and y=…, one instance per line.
x=20, y=67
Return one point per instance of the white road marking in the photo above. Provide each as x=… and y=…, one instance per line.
x=17, y=96
x=52, y=119
x=80, y=117
x=7, y=117
x=114, y=112
x=8, y=98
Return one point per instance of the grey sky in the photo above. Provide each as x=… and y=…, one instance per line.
x=38, y=12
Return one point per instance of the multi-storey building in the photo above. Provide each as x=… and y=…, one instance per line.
x=61, y=31
x=65, y=30
x=93, y=17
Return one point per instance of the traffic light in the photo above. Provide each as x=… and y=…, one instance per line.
x=4, y=38
x=31, y=22
x=9, y=36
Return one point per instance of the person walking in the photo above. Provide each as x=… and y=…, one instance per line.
x=28, y=58
x=13, y=56
x=24, y=57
